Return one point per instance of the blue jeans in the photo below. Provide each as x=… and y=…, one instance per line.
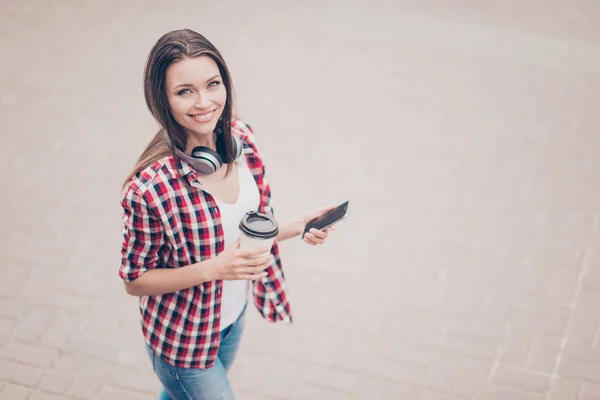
x=201, y=384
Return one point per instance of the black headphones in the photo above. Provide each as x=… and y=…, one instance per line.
x=205, y=160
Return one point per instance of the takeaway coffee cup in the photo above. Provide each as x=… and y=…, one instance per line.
x=257, y=230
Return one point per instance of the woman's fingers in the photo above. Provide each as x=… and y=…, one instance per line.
x=253, y=262
x=254, y=269
x=316, y=237
x=253, y=253
x=253, y=273
x=320, y=235
x=310, y=239
x=253, y=277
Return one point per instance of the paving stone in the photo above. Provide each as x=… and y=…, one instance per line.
x=464, y=133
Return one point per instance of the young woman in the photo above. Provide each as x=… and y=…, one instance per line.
x=182, y=204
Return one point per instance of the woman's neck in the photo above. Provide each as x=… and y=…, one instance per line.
x=206, y=140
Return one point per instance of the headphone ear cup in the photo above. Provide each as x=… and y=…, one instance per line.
x=206, y=160
x=237, y=146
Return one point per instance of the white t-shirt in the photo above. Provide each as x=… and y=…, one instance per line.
x=235, y=293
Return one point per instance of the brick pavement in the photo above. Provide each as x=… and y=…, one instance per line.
x=465, y=134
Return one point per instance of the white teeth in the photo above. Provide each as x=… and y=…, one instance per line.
x=203, y=117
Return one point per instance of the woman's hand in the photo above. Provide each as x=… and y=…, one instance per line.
x=316, y=237
x=234, y=264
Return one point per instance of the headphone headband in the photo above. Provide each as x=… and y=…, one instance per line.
x=205, y=160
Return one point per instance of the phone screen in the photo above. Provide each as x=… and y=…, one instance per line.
x=329, y=218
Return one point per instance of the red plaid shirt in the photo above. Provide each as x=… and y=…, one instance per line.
x=169, y=222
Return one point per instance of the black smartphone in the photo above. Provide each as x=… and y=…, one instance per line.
x=329, y=218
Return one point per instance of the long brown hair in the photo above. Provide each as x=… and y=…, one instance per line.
x=171, y=48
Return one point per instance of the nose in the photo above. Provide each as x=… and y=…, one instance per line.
x=202, y=101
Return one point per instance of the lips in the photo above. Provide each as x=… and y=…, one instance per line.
x=203, y=117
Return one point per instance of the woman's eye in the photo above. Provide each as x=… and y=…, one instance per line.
x=214, y=84
x=184, y=91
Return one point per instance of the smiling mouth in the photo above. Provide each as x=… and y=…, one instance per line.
x=203, y=117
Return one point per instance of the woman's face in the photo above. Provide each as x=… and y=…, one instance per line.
x=196, y=94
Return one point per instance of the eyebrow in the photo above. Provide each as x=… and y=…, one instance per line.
x=190, y=85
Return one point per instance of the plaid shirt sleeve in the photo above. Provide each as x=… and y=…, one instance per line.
x=142, y=236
